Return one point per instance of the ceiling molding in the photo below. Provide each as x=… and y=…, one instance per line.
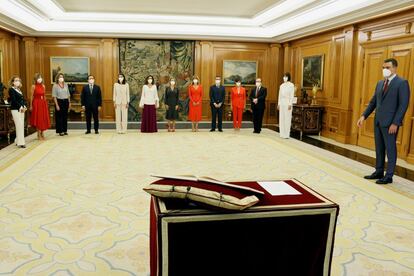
x=283, y=21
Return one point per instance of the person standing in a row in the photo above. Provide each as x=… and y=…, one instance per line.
x=258, y=103
x=171, y=104
x=286, y=94
x=217, y=96
x=61, y=98
x=121, y=103
x=195, y=93
x=149, y=102
x=238, y=103
x=91, y=101
x=39, y=117
x=18, y=108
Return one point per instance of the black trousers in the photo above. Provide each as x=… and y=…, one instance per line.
x=385, y=142
x=89, y=112
x=61, y=116
x=216, y=112
x=257, y=118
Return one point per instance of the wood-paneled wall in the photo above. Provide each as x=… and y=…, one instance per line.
x=10, y=48
x=103, y=58
x=353, y=65
x=336, y=92
x=209, y=64
x=353, y=57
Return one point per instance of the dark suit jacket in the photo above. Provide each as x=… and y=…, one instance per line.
x=261, y=97
x=217, y=94
x=390, y=107
x=91, y=100
x=16, y=99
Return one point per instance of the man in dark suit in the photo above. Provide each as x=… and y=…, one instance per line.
x=390, y=103
x=258, y=104
x=91, y=100
x=217, y=96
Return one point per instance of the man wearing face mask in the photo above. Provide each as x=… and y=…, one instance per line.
x=217, y=96
x=390, y=102
x=91, y=100
x=258, y=104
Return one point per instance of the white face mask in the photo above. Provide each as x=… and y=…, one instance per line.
x=285, y=79
x=218, y=82
x=150, y=81
x=91, y=81
x=238, y=84
x=39, y=80
x=121, y=79
x=172, y=82
x=60, y=79
x=195, y=81
x=386, y=72
x=258, y=83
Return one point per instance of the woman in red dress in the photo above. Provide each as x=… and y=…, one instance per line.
x=195, y=93
x=39, y=108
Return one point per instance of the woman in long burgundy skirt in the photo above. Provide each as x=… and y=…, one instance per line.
x=149, y=102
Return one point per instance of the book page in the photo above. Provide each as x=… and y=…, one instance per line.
x=278, y=188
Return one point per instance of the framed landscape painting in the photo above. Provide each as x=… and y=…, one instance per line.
x=245, y=70
x=74, y=69
x=312, y=71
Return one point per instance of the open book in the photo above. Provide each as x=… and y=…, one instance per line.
x=208, y=180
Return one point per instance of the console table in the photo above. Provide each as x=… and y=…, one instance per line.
x=307, y=119
x=6, y=121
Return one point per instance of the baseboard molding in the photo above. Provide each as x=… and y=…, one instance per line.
x=160, y=125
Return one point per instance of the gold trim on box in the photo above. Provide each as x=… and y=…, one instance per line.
x=234, y=216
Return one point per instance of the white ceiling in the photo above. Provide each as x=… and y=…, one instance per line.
x=241, y=20
x=236, y=8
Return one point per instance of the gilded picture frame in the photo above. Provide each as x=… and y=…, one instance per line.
x=246, y=70
x=312, y=71
x=74, y=69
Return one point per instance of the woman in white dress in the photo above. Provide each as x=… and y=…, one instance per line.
x=286, y=94
x=121, y=102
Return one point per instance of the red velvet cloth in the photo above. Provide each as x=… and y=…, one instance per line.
x=267, y=199
x=261, y=245
x=39, y=117
x=149, y=119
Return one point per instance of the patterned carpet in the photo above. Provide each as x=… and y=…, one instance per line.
x=75, y=206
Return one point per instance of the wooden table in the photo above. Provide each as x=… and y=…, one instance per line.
x=307, y=119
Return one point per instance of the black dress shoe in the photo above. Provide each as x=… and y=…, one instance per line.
x=375, y=175
x=220, y=130
x=211, y=130
x=61, y=134
x=384, y=180
x=22, y=146
x=65, y=133
x=96, y=132
x=88, y=132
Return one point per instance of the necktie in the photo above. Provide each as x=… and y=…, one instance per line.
x=257, y=91
x=91, y=88
x=385, y=87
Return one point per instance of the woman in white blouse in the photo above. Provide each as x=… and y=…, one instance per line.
x=18, y=108
x=286, y=94
x=121, y=102
x=149, y=102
